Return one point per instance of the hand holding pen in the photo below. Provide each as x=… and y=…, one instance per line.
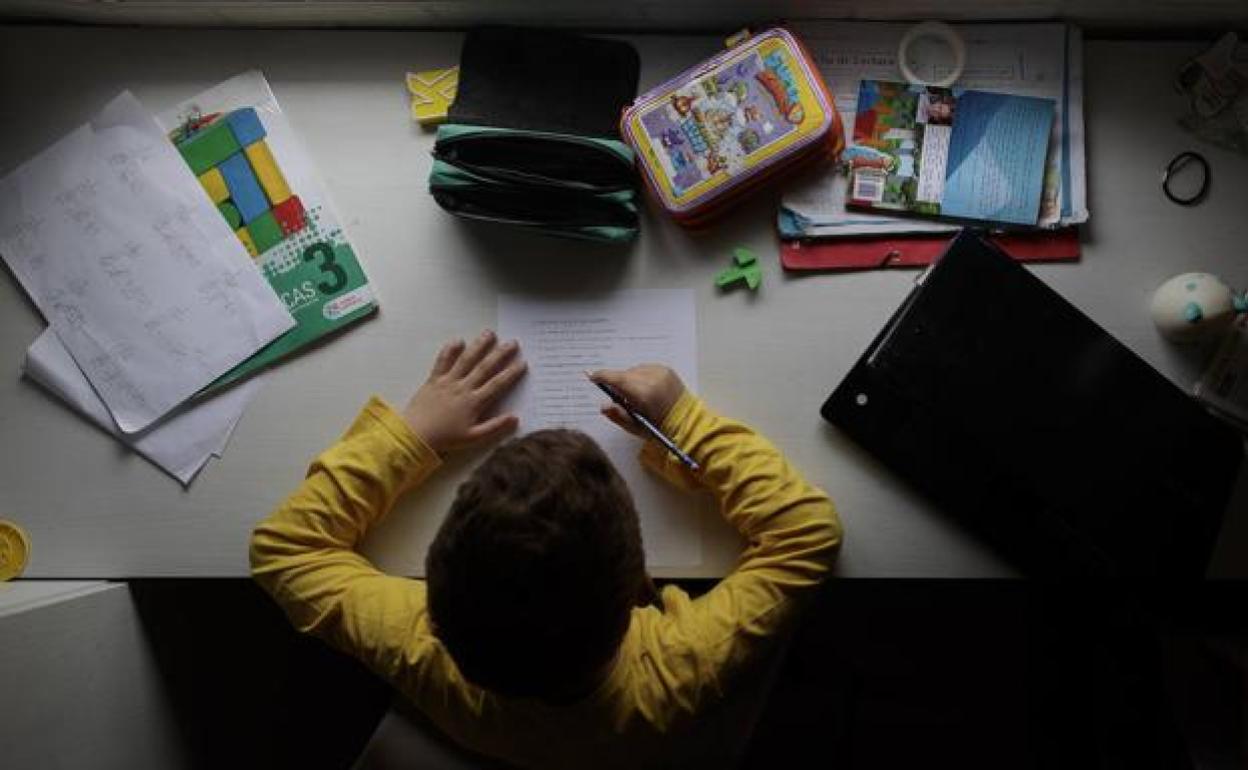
x=641, y=396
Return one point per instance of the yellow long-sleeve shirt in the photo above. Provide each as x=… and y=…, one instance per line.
x=675, y=661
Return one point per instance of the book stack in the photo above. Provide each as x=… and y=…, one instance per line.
x=1001, y=149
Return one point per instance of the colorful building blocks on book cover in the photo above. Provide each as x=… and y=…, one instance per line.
x=270, y=176
x=230, y=212
x=237, y=170
x=246, y=126
x=245, y=190
x=290, y=215
x=214, y=185
x=265, y=231
x=297, y=242
x=208, y=146
x=248, y=243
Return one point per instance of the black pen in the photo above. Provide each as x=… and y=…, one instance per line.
x=619, y=400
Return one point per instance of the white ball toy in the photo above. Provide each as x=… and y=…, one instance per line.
x=1194, y=306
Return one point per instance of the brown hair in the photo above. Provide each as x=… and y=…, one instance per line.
x=533, y=575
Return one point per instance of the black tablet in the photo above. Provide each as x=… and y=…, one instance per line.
x=1037, y=429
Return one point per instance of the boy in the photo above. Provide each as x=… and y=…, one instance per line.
x=537, y=636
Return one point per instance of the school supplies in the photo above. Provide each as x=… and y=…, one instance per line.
x=937, y=70
x=530, y=138
x=181, y=443
x=558, y=184
x=744, y=269
x=250, y=163
x=972, y=155
x=432, y=92
x=239, y=166
x=133, y=266
x=1037, y=429
x=715, y=133
x=637, y=417
x=1031, y=59
x=920, y=250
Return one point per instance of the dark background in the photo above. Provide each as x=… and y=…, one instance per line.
x=882, y=674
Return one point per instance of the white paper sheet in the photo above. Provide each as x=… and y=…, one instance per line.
x=1020, y=59
x=560, y=339
x=180, y=444
x=137, y=272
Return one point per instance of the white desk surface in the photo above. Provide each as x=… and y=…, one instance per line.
x=94, y=510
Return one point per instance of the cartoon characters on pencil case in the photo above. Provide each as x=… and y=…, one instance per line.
x=749, y=140
x=717, y=126
x=791, y=110
x=712, y=125
x=777, y=79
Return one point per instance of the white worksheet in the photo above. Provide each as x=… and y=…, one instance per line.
x=180, y=444
x=114, y=240
x=560, y=340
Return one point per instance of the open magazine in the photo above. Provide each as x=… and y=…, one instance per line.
x=947, y=152
x=1028, y=59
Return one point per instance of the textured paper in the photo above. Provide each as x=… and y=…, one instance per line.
x=180, y=444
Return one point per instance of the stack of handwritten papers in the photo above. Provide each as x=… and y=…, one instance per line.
x=148, y=293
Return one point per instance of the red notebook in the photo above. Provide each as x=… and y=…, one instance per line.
x=920, y=250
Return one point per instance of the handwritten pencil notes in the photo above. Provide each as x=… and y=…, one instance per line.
x=141, y=278
x=180, y=444
x=560, y=339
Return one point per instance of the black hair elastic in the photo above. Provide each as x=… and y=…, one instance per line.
x=1181, y=160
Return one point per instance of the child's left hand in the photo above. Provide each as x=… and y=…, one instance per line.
x=448, y=411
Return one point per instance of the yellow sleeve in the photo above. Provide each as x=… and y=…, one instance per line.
x=792, y=536
x=304, y=553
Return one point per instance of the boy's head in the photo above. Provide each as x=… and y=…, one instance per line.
x=534, y=573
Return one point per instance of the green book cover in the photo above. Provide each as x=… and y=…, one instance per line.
x=237, y=141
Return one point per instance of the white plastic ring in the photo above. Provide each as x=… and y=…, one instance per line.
x=940, y=31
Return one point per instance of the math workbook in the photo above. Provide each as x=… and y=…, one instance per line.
x=946, y=152
x=240, y=146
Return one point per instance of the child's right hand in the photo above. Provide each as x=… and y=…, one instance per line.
x=652, y=389
x=452, y=409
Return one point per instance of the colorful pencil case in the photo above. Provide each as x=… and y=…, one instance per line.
x=713, y=134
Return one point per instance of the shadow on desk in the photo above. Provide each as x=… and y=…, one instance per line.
x=534, y=264
x=883, y=674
